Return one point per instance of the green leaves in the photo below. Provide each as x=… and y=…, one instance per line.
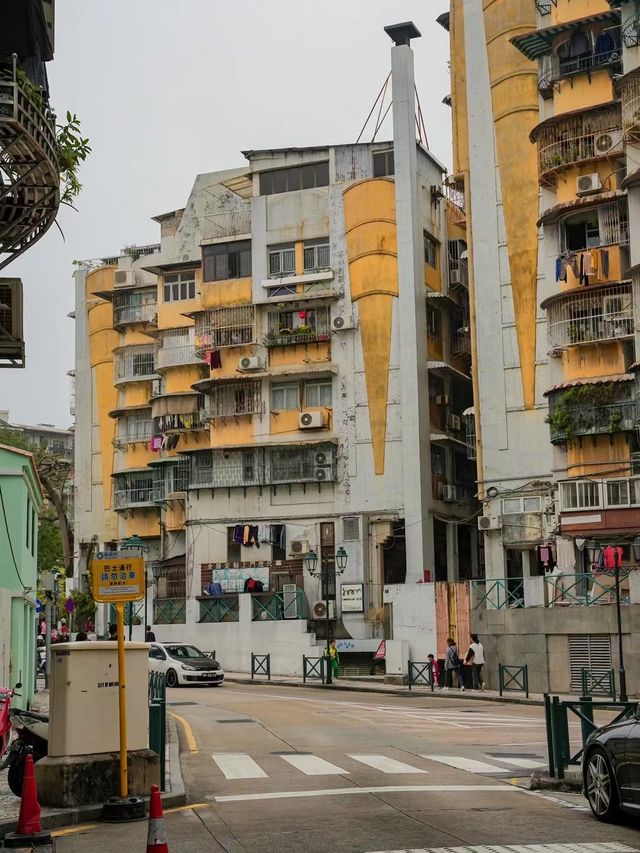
x=72, y=149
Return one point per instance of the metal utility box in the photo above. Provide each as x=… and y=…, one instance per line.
x=396, y=657
x=83, y=702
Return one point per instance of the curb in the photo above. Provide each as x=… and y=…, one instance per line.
x=572, y=782
x=176, y=796
x=415, y=692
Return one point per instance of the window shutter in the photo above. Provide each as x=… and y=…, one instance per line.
x=351, y=528
x=588, y=651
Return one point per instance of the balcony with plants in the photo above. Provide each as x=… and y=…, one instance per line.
x=590, y=315
x=575, y=139
x=289, y=328
x=596, y=408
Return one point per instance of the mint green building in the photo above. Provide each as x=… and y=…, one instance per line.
x=21, y=497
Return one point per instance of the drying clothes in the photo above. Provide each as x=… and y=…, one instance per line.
x=156, y=444
x=264, y=533
x=254, y=538
x=579, y=44
x=545, y=554
x=605, y=45
x=604, y=266
x=594, y=256
x=561, y=270
x=215, y=362
x=245, y=534
x=238, y=534
x=207, y=357
x=566, y=555
x=611, y=557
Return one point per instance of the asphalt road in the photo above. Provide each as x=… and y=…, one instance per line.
x=284, y=769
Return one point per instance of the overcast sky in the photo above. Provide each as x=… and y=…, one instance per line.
x=166, y=90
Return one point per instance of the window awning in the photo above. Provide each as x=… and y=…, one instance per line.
x=469, y=413
x=598, y=380
x=186, y=403
x=131, y=471
x=537, y=43
x=443, y=367
x=553, y=214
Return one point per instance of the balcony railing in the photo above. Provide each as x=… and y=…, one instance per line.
x=176, y=347
x=461, y=342
x=559, y=69
x=232, y=223
x=135, y=364
x=585, y=589
x=606, y=314
x=618, y=493
x=630, y=98
x=129, y=314
x=497, y=594
x=218, y=328
x=224, y=608
x=456, y=197
x=139, y=432
x=170, y=479
x=543, y=7
x=572, y=415
x=30, y=185
x=274, y=607
x=295, y=337
x=576, y=139
x=134, y=497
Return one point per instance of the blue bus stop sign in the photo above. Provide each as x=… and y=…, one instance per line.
x=39, y=607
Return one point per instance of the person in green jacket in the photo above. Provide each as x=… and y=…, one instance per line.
x=334, y=659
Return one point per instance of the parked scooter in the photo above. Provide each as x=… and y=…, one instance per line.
x=6, y=694
x=31, y=738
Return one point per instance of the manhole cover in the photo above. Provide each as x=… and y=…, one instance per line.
x=235, y=721
x=178, y=704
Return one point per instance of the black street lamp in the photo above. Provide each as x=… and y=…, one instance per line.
x=329, y=567
x=622, y=673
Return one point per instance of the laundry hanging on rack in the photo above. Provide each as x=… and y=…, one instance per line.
x=611, y=557
x=586, y=266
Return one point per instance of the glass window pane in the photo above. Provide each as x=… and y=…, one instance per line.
x=511, y=506
x=266, y=183
x=167, y=293
x=312, y=395
x=221, y=268
x=274, y=263
x=322, y=174
x=289, y=260
x=192, y=289
x=324, y=256
x=532, y=504
x=568, y=494
x=310, y=258
x=308, y=177
x=183, y=290
x=293, y=179
x=279, y=181
x=245, y=263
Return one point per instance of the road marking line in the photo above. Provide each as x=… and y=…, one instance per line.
x=311, y=765
x=188, y=732
x=611, y=847
x=186, y=808
x=468, y=764
x=527, y=763
x=385, y=764
x=238, y=765
x=385, y=789
x=72, y=830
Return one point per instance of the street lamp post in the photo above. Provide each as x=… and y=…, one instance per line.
x=325, y=571
x=622, y=673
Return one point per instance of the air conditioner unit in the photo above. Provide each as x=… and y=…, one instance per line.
x=442, y=400
x=322, y=473
x=11, y=333
x=249, y=363
x=609, y=142
x=299, y=547
x=453, y=422
x=342, y=322
x=320, y=610
x=448, y=493
x=310, y=420
x=455, y=276
x=489, y=522
x=289, y=601
x=588, y=184
x=123, y=278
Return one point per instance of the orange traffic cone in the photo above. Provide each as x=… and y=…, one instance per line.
x=29, y=828
x=156, y=837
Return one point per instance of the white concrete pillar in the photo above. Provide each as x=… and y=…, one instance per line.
x=412, y=322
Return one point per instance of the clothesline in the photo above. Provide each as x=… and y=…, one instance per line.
x=586, y=264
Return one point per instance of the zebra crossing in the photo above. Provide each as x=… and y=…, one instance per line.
x=235, y=766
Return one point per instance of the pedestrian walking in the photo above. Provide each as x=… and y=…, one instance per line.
x=452, y=665
x=435, y=670
x=475, y=659
x=334, y=659
x=149, y=636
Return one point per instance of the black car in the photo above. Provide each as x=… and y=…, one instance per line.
x=611, y=769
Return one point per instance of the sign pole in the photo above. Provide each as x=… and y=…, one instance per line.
x=122, y=701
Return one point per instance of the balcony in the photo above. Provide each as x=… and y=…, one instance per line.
x=134, y=364
x=577, y=139
x=29, y=175
x=134, y=309
x=220, y=328
x=590, y=315
x=175, y=348
x=233, y=400
x=170, y=478
x=582, y=589
x=290, y=328
x=461, y=341
x=132, y=491
x=609, y=494
x=178, y=412
x=456, y=198
x=231, y=223
x=458, y=265
x=629, y=89
x=133, y=430
x=604, y=408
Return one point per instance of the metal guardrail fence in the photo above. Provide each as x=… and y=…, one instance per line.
x=158, y=720
x=261, y=665
x=515, y=678
x=558, y=733
x=598, y=683
x=313, y=668
x=421, y=672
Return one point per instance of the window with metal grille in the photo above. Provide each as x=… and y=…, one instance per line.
x=383, y=163
x=588, y=651
x=217, y=328
x=351, y=528
x=317, y=256
x=282, y=260
x=295, y=178
x=309, y=320
x=430, y=250
x=132, y=489
x=262, y=466
x=289, y=465
x=223, y=261
x=180, y=286
x=137, y=306
x=135, y=362
x=231, y=399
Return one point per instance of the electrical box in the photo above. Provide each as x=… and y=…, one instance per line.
x=84, y=698
x=397, y=657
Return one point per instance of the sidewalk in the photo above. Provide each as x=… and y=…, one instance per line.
x=53, y=818
x=376, y=684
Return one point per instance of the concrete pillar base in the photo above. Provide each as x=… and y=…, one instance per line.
x=76, y=780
